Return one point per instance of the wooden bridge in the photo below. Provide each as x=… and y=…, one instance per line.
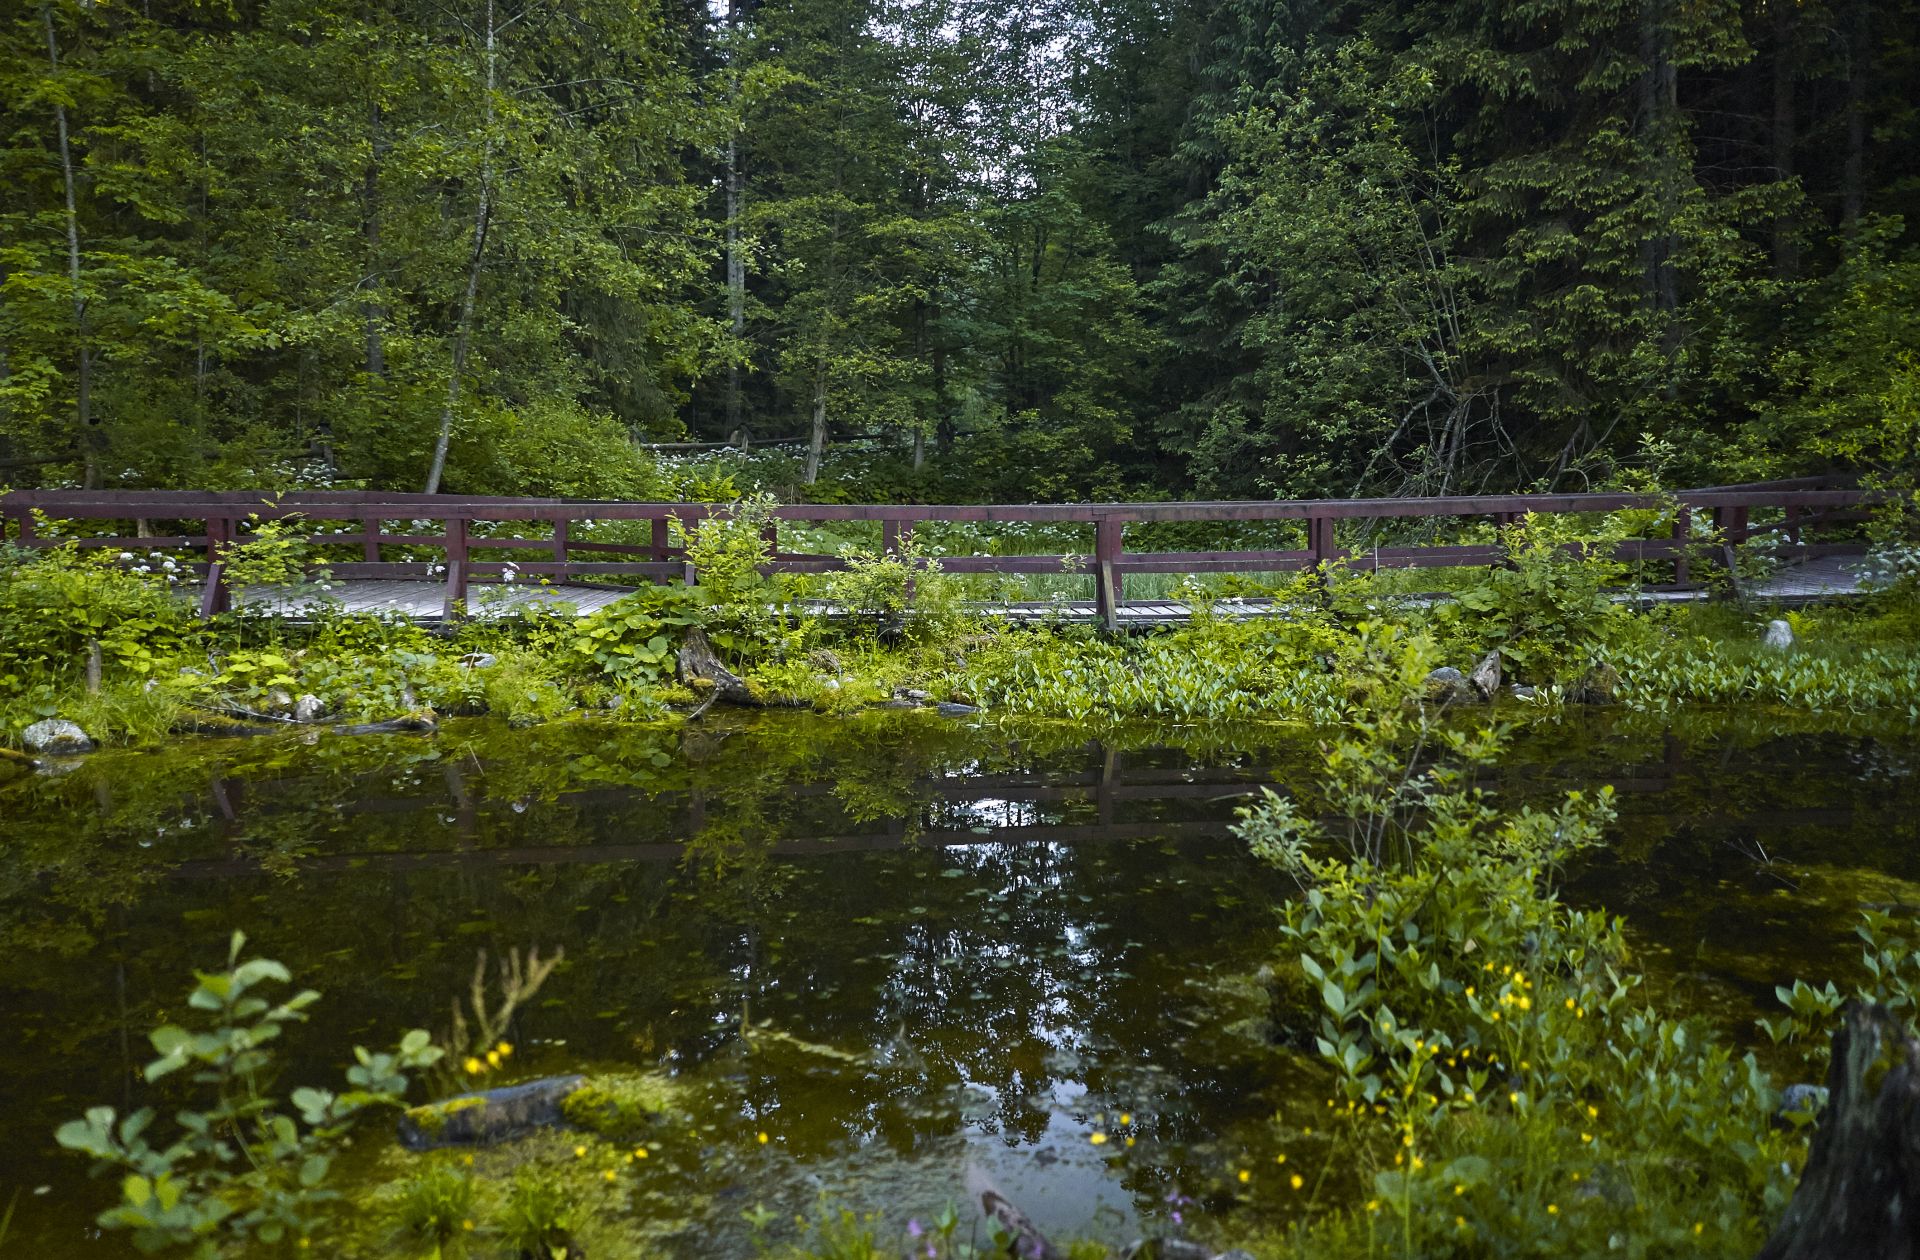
x=547, y=551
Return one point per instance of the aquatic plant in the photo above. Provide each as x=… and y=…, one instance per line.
x=436, y=1205
x=245, y=1165
x=1497, y=1080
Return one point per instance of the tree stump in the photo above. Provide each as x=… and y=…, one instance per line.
x=1859, y=1198
x=699, y=666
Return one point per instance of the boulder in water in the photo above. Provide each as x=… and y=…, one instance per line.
x=486, y=1118
x=56, y=736
x=1485, y=677
x=1447, y=685
x=1597, y=686
x=309, y=708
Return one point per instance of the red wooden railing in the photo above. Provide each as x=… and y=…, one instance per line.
x=1803, y=504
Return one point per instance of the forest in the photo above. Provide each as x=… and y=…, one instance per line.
x=951, y=249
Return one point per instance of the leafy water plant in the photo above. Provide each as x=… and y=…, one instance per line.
x=1498, y=1084
x=245, y=1165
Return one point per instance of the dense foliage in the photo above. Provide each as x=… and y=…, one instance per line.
x=1068, y=249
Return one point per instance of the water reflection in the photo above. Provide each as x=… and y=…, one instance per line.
x=904, y=947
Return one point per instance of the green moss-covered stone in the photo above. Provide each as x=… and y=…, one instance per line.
x=622, y=1104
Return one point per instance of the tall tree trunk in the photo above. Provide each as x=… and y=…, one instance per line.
x=89, y=435
x=1853, y=173
x=1786, y=74
x=736, y=260
x=373, y=312
x=736, y=287
x=818, y=442
x=942, y=404
x=463, y=331
x=1660, y=133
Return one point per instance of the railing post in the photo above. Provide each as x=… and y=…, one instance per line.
x=370, y=539
x=1682, y=539
x=661, y=540
x=27, y=535
x=560, y=548
x=1108, y=588
x=455, y=603
x=214, y=597
x=1320, y=542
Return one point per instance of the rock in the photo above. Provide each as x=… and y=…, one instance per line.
x=1597, y=685
x=57, y=736
x=279, y=700
x=826, y=661
x=479, y=660
x=309, y=708
x=1446, y=685
x=1797, y=1098
x=1485, y=677
x=1779, y=636
x=947, y=708
x=917, y=696
x=1520, y=691
x=486, y=1118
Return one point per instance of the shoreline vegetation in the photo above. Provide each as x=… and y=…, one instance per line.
x=103, y=643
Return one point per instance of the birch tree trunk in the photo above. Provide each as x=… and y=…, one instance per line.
x=463, y=331
x=818, y=442
x=83, y=384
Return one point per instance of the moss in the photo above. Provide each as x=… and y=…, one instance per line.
x=431, y=1118
x=621, y=1104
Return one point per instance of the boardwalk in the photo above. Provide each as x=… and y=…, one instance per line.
x=1818, y=580
x=439, y=557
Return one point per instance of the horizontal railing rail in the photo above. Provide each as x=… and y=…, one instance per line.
x=445, y=524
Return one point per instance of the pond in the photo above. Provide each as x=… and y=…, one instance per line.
x=913, y=953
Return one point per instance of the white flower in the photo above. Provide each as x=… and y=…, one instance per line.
x=126, y=555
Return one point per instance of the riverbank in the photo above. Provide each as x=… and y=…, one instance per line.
x=115, y=655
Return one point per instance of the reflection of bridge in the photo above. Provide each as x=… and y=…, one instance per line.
x=1106, y=790
x=452, y=543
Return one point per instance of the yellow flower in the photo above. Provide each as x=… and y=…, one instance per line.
x=1570, y=1003
x=505, y=1048
x=1459, y=1189
x=1553, y=1209
x=1129, y=1139
x=1459, y=1222
x=1514, y=1098
x=1418, y=1163
x=639, y=1152
x=493, y=1058
x=466, y=1224
x=1586, y=1137
x=1593, y=1112
x=1493, y=1017
x=1281, y=1158
x=1125, y=1118
x=1406, y=1139
x=1698, y=1226
x=473, y=1066
x=610, y=1175
x=1581, y=1013
x=1098, y=1139
x=579, y=1152
x=762, y=1137
x=1524, y=1003
x=1296, y=1181
x=1373, y=1205
x=1246, y=1175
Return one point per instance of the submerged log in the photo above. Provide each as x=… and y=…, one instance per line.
x=485, y=1118
x=1024, y=1239
x=413, y=722
x=1859, y=1197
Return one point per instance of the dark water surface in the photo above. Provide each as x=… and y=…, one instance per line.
x=906, y=949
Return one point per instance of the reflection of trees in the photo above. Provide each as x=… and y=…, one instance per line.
x=937, y=958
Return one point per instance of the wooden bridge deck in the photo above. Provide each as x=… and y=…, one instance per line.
x=1824, y=578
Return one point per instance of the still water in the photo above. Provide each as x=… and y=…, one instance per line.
x=914, y=953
